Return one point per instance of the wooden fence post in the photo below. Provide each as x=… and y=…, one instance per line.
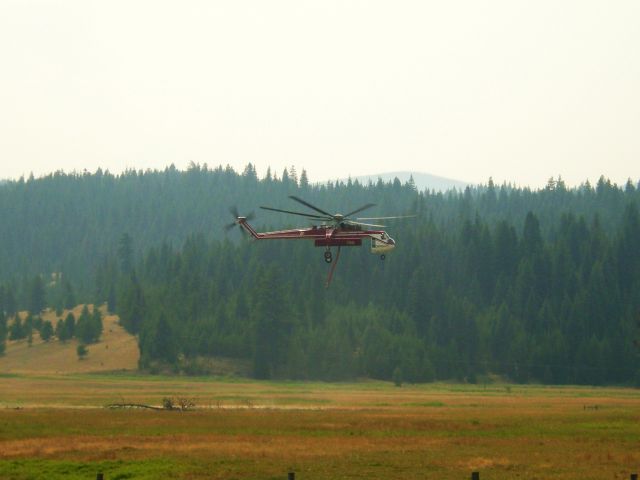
x=292, y=476
x=634, y=476
x=100, y=476
x=475, y=475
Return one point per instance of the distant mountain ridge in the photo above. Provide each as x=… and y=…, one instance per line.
x=422, y=180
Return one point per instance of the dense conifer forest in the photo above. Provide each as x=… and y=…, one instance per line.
x=532, y=285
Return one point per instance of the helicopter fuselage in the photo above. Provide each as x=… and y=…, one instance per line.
x=341, y=235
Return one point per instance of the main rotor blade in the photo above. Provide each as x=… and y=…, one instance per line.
x=351, y=222
x=307, y=204
x=317, y=217
x=364, y=207
x=386, y=218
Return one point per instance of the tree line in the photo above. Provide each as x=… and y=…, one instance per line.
x=533, y=285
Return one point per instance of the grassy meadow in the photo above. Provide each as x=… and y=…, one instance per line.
x=55, y=426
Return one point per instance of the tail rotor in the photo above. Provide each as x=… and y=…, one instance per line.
x=233, y=210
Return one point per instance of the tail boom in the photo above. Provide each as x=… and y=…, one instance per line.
x=242, y=221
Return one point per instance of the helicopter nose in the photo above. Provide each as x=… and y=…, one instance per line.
x=392, y=242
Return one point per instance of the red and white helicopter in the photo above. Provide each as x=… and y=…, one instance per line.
x=336, y=230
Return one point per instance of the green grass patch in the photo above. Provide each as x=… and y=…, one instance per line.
x=27, y=469
x=424, y=404
x=301, y=401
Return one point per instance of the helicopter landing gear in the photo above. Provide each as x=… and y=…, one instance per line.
x=382, y=257
x=328, y=257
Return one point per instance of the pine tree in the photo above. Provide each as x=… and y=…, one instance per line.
x=285, y=178
x=250, y=174
x=293, y=176
x=68, y=330
x=59, y=330
x=96, y=324
x=81, y=351
x=125, y=253
x=3, y=332
x=10, y=305
x=69, y=298
x=46, y=331
x=89, y=326
x=111, y=299
x=270, y=318
x=17, y=330
x=36, y=295
x=531, y=237
x=304, y=180
x=131, y=304
x=158, y=342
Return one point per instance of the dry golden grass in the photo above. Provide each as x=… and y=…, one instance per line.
x=247, y=429
x=51, y=415
x=116, y=350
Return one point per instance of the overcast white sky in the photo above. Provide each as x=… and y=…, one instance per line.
x=517, y=90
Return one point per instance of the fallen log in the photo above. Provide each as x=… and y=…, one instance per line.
x=113, y=406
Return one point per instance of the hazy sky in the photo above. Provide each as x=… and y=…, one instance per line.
x=517, y=90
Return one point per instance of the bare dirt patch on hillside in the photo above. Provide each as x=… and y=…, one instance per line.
x=116, y=350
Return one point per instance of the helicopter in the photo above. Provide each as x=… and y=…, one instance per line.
x=334, y=230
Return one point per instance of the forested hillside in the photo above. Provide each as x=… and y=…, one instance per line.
x=534, y=285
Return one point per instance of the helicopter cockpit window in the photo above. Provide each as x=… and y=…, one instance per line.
x=383, y=236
